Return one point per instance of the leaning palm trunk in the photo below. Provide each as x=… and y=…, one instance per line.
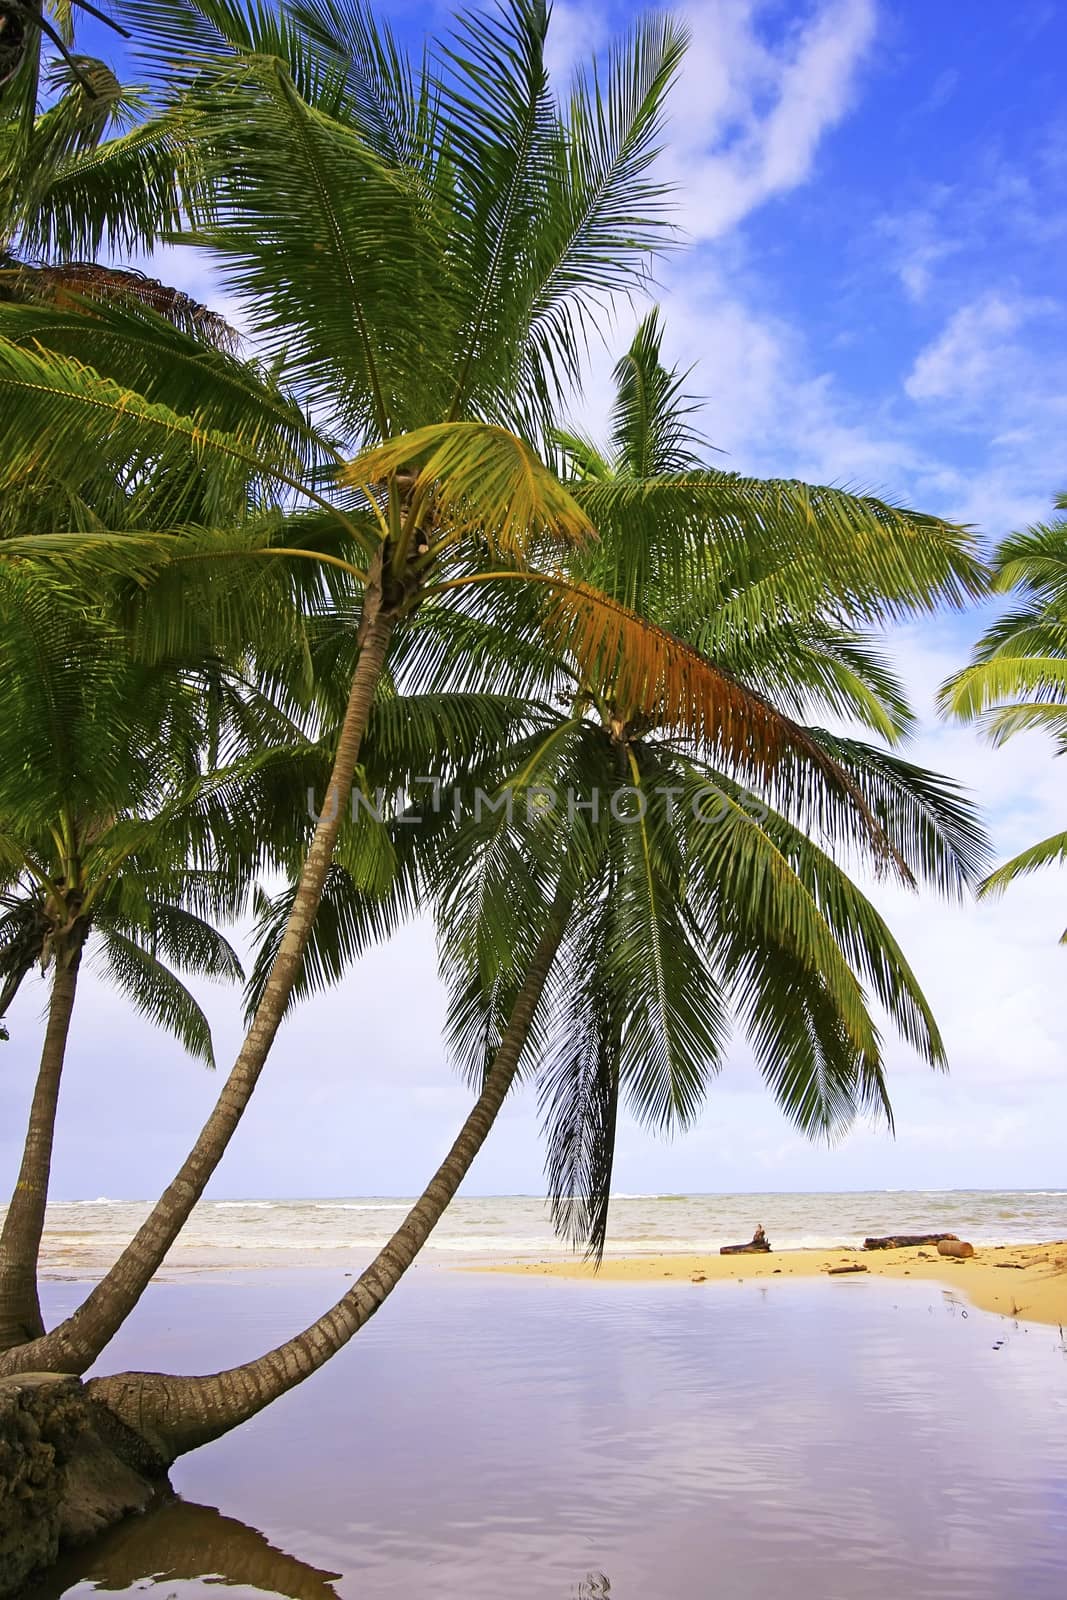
x=177, y=1414
x=74, y=1345
x=20, y=1241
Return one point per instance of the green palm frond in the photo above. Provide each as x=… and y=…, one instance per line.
x=676, y=1021
x=1017, y=679
x=855, y=925
x=978, y=689
x=300, y=187
x=1003, y=722
x=818, y=1076
x=933, y=828
x=601, y=208
x=578, y=1094
x=61, y=418
x=391, y=103
x=1048, y=852
x=127, y=194
x=156, y=993
x=478, y=477
x=349, y=920
x=184, y=940
x=651, y=430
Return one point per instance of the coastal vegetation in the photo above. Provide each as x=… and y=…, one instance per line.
x=367, y=543
x=1017, y=681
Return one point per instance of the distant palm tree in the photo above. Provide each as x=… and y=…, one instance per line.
x=107, y=832
x=1018, y=677
x=609, y=945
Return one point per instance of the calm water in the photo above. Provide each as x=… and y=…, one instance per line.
x=83, y=1238
x=541, y=1440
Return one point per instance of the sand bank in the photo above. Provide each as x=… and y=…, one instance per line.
x=1027, y=1281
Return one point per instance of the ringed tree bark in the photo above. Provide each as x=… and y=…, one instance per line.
x=177, y=1414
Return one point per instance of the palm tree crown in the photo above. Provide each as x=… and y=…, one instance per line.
x=1018, y=677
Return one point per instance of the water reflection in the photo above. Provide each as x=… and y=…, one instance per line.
x=184, y=1544
x=594, y=1586
x=821, y=1440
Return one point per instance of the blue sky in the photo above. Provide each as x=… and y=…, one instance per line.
x=876, y=201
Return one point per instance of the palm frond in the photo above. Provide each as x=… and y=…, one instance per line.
x=482, y=478
x=1046, y=853
x=156, y=993
x=578, y=1096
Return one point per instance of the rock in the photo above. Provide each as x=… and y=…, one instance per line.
x=68, y=1469
x=955, y=1247
x=699, y=1277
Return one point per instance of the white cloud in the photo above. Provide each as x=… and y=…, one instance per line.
x=977, y=350
x=748, y=117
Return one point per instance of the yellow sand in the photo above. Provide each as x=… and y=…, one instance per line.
x=1026, y=1281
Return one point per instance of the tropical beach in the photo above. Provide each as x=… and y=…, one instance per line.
x=1037, y=1294
x=651, y=1239
x=533, y=656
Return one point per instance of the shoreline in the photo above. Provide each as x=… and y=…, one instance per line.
x=1026, y=1282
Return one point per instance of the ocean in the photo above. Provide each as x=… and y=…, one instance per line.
x=83, y=1237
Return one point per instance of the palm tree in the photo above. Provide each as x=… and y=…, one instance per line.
x=697, y=900
x=24, y=26
x=421, y=252
x=108, y=830
x=432, y=250
x=76, y=868
x=1018, y=677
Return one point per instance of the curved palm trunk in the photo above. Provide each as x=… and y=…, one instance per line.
x=177, y=1414
x=74, y=1345
x=20, y=1241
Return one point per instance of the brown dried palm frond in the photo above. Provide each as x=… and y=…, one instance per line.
x=646, y=673
x=89, y=280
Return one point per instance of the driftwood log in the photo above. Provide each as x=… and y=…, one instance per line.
x=853, y=1266
x=757, y=1245
x=904, y=1241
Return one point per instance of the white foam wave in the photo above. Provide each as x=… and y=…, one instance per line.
x=495, y=1243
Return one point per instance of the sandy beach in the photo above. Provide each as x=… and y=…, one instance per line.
x=1027, y=1282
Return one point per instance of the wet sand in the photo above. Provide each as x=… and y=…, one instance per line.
x=1027, y=1282
x=500, y=1436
